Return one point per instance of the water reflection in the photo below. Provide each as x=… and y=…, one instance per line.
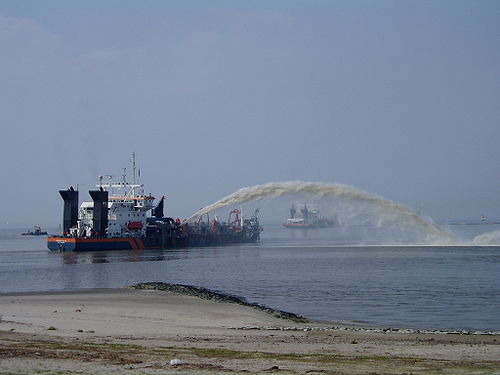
x=97, y=257
x=69, y=258
x=166, y=255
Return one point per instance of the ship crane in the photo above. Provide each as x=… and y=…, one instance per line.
x=236, y=222
x=256, y=213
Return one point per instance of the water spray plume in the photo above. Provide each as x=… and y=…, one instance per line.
x=486, y=239
x=321, y=190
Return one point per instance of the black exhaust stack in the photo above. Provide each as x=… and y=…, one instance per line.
x=158, y=210
x=70, y=211
x=100, y=215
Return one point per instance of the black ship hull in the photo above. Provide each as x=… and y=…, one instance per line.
x=163, y=234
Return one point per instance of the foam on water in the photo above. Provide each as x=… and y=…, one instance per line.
x=487, y=239
x=403, y=215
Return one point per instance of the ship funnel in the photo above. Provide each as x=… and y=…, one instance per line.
x=100, y=215
x=158, y=210
x=70, y=211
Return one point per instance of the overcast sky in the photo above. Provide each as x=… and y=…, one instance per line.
x=397, y=98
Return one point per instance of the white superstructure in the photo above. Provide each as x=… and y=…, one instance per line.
x=127, y=208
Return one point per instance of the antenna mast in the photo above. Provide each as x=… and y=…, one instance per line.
x=133, y=166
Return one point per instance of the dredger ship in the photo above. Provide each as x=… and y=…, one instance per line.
x=122, y=217
x=303, y=216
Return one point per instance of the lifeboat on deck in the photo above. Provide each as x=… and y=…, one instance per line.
x=134, y=225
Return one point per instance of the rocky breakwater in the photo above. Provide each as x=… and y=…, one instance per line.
x=204, y=293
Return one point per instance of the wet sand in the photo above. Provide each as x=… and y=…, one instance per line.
x=128, y=331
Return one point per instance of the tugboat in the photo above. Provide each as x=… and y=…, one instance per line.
x=37, y=231
x=122, y=217
x=307, y=217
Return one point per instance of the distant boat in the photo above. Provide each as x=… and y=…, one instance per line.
x=307, y=217
x=36, y=232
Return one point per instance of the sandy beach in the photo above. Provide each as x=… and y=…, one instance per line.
x=128, y=331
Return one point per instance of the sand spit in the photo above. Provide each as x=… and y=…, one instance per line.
x=143, y=331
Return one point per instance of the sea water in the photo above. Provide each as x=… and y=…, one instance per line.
x=325, y=274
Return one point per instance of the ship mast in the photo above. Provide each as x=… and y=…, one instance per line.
x=123, y=187
x=133, y=167
x=133, y=173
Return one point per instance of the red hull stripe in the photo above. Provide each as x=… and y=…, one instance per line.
x=140, y=243
x=132, y=243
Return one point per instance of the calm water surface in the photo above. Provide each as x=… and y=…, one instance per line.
x=321, y=275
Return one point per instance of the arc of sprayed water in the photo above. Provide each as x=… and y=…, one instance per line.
x=320, y=189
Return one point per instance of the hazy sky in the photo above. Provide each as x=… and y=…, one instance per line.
x=398, y=98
